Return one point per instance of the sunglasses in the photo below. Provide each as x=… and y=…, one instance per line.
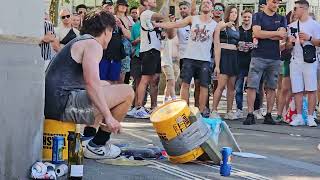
x=218, y=8
x=65, y=17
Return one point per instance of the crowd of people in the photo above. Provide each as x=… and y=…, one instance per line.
x=216, y=48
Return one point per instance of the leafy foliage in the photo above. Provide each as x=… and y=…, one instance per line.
x=133, y=3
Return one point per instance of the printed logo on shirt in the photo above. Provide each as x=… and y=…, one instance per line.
x=187, y=34
x=200, y=34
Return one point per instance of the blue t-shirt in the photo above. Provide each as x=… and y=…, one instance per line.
x=267, y=48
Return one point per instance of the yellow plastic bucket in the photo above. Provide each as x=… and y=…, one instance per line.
x=169, y=121
x=53, y=128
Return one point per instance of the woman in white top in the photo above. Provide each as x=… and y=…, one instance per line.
x=65, y=32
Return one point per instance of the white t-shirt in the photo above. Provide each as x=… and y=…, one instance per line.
x=145, y=44
x=183, y=36
x=200, y=40
x=310, y=27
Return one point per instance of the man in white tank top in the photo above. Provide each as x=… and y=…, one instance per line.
x=186, y=9
x=197, y=57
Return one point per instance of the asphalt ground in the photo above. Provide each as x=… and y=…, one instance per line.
x=291, y=153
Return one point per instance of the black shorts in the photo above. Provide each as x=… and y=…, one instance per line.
x=200, y=70
x=135, y=69
x=151, y=62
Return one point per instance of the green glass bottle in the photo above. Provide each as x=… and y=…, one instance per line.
x=75, y=156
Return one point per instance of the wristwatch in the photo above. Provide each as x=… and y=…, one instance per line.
x=310, y=38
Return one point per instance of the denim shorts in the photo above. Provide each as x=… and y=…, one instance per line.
x=125, y=64
x=268, y=67
x=195, y=68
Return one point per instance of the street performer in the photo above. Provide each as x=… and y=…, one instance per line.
x=74, y=92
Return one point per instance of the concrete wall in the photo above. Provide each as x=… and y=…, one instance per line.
x=23, y=18
x=21, y=88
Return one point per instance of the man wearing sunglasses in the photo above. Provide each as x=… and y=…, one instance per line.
x=65, y=32
x=218, y=12
x=303, y=74
x=81, y=9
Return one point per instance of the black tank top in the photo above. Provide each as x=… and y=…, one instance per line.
x=63, y=75
x=230, y=36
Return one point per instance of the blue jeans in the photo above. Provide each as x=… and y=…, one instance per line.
x=239, y=88
x=239, y=91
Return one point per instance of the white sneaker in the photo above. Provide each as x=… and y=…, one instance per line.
x=215, y=115
x=85, y=142
x=165, y=100
x=224, y=93
x=263, y=111
x=229, y=116
x=297, y=120
x=141, y=113
x=258, y=114
x=311, y=122
x=238, y=114
x=132, y=112
x=108, y=151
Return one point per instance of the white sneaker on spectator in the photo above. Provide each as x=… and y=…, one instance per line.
x=263, y=111
x=224, y=93
x=215, y=115
x=132, y=112
x=230, y=116
x=238, y=114
x=311, y=122
x=108, y=151
x=141, y=113
x=297, y=120
x=258, y=114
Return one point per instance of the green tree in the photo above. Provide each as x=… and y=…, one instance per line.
x=133, y=3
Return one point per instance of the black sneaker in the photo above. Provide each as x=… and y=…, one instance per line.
x=206, y=113
x=250, y=120
x=269, y=120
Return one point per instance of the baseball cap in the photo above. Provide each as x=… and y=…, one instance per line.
x=185, y=3
x=108, y=2
x=122, y=2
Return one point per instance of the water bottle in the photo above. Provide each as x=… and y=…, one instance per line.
x=225, y=166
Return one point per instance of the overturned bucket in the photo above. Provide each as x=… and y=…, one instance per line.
x=180, y=135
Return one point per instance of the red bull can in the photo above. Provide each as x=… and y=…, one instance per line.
x=225, y=166
x=57, y=149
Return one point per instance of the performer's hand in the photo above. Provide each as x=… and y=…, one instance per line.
x=112, y=125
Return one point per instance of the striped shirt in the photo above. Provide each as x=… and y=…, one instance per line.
x=46, y=50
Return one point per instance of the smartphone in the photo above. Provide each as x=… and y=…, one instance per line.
x=172, y=10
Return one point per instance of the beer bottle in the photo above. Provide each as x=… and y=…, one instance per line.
x=75, y=155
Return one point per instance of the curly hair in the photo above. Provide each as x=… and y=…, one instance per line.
x=96, y=21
